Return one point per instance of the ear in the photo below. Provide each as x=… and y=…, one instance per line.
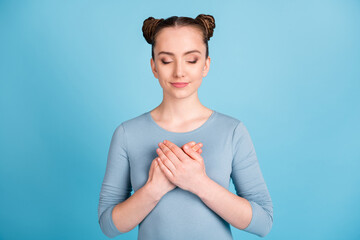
x=153, y=68
x=206, y=67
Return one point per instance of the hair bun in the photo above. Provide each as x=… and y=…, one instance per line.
x=208, y=22
x=148, y=28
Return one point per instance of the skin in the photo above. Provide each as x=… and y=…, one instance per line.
x=180, y=107
x=128, y=214
x=180, y=111
x=158, y=179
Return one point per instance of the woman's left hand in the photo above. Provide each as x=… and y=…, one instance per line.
x=185, y=168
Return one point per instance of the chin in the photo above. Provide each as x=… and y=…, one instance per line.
x=182, y=93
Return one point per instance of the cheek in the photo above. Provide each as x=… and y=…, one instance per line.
x=196, y=83
x=164, y=72
x=197, y=73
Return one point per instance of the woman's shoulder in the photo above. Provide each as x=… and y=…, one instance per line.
x=227, y=118
x=135, y=121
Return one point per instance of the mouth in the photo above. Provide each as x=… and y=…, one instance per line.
x=180, y=84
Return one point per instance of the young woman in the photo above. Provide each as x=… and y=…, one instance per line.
x=180, y=156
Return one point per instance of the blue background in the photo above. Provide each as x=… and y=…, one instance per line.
x=72, y=71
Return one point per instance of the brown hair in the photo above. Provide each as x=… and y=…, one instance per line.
x=152, y=26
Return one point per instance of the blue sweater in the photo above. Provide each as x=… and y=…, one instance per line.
x=228, y=153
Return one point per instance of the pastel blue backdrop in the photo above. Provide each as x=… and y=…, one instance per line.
x=72, y=71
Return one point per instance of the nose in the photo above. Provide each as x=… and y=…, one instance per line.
x=178, y=71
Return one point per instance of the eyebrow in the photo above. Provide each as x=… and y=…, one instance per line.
x=170, y=53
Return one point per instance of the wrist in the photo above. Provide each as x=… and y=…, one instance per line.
x=202, y=186
x=152, y=192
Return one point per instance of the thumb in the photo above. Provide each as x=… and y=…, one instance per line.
x=193, y=154
x=152, y=166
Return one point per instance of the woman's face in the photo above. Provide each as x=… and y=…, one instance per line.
x=180, y=58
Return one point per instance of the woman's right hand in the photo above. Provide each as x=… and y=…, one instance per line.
x=160, y=184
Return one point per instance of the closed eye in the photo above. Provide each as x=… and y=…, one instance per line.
x=192, y=62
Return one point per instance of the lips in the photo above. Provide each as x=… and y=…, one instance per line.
x=180, y=84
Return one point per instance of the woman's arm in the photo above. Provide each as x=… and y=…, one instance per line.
x=116, y=186
x=251, y=209
x=232, y=208
x=128, y=214
x=119, y=212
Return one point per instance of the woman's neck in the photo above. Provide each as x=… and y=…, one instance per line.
x=180, y=110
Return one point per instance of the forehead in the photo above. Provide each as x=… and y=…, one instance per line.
x=179, y=39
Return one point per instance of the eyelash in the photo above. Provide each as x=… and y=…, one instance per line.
x=192, y=62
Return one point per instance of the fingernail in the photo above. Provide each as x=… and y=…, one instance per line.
x=165, y=141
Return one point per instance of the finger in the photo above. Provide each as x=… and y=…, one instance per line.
x=191, y=144
x=179, y=153
x=193, y=154
x=171, y=155
x=165, y=170
x=166, y=161
x=197, y=146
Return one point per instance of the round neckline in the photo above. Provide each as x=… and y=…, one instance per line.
x=182, y=133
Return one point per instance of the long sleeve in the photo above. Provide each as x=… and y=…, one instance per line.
x=116, y=186
x=249, y=182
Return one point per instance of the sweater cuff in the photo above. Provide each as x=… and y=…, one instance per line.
x=107, y=224
x=260, y=223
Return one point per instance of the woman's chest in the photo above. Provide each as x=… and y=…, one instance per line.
x=216, y=153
